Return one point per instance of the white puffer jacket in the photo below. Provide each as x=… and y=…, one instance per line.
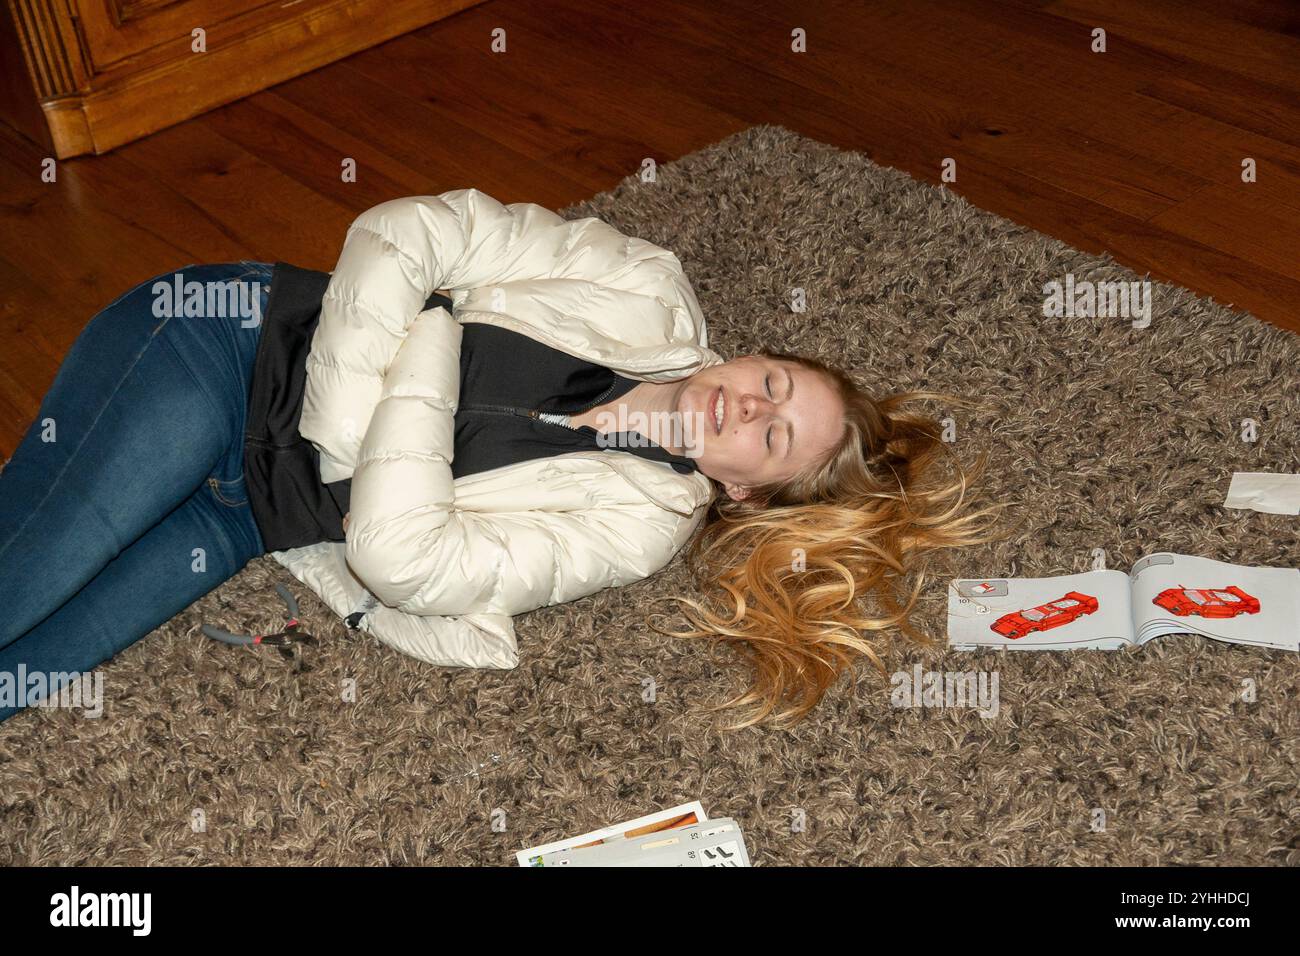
x=452, y=561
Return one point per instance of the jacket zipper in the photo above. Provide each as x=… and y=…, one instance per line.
x=534, y=413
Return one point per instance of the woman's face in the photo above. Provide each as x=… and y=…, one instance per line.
x=777, y=418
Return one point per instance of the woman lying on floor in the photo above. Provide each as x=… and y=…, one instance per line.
x=484, y=451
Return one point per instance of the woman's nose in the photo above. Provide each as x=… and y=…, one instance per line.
x=751, y=406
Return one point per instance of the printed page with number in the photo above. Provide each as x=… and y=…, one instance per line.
x=1089, y=610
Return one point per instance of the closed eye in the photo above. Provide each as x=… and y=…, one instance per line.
x=767, y=387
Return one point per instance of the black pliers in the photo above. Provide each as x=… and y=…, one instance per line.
x=281, y=639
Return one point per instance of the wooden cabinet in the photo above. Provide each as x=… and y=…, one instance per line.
x=83, y=76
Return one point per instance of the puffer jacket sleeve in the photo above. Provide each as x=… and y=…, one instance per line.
x=394, y=257
x=416, y=552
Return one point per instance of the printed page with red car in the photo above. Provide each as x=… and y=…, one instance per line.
x=1089, y=610
x=1181, y=594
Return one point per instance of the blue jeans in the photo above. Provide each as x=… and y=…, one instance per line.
x=125, y=501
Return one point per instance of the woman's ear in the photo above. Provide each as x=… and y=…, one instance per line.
x=736, y=492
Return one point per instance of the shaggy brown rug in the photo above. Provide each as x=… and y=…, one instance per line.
x=1103, y=435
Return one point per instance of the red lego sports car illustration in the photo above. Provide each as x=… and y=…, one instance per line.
x=1046, y=616
x=1207, y=602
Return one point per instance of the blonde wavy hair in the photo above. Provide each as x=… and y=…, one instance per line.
x=797, y=560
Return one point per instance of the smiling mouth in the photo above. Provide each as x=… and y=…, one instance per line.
x=719, y=410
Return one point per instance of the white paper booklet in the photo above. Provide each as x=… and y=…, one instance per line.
x=1106, y=610
x=710, y=843
x=683, y=816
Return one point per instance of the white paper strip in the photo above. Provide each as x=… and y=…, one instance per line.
x=1273, y=494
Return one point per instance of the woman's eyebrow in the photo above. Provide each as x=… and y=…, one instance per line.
x=789, y=425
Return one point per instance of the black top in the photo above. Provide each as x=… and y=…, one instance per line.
x=504, y=376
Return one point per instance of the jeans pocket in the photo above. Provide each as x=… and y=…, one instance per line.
x=232, y=493
x=250, y=268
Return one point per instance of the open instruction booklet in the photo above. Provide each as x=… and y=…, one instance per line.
x=1105, y=610
x=682, y=836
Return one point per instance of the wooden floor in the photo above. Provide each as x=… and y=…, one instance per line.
x=1137, y=151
